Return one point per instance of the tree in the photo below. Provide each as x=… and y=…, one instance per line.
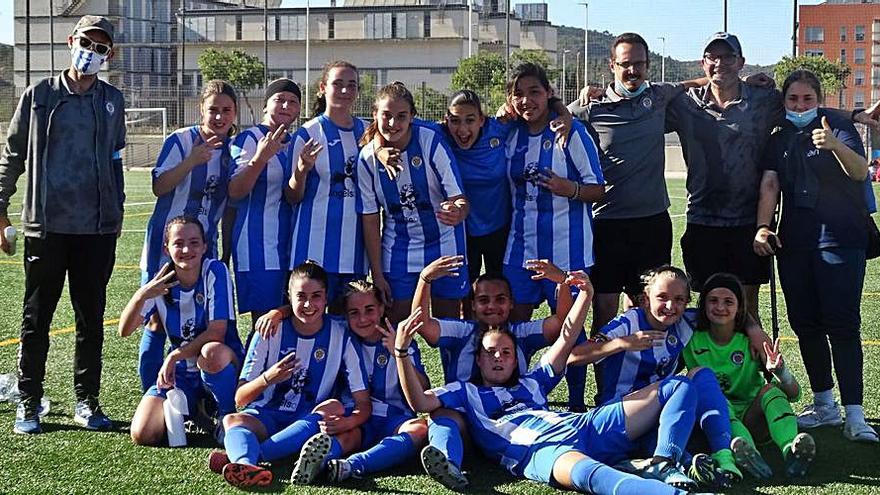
x=538, y=57
x=244, y=72
x=832, y=75
x=430, y=103
x=482, y=73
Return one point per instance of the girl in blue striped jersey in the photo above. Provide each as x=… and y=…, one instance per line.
x=322, y=187
x=261, y=236
x=190, y=178
x=552, y=188
x=423, y=208
x=508, y=416
x=192, y=300
x=286, y=387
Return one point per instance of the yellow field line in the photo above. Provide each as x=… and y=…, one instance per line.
x=60, y=331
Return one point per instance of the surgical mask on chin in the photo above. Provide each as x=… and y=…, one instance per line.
x=620, y=89
x=801, y=119
x=85, y=61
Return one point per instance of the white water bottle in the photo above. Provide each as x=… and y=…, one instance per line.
x=9, y=233
x=175, y=408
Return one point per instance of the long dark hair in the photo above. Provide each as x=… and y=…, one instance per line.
x=476, y=375
x=320, y=105
x=394, y=90
x=726, y=281
x=309, y=270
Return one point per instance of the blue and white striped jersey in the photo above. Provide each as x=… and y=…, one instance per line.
x=323, y=357
x=505, y=422
x=385, y=392
x=458, y=346
x=186, y=312
x=412, y=236
x=326, y=225
x=546, y=225
x=201, y=194
x=629, y=371
x=261, y=237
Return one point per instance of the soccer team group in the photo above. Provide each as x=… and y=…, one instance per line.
x=466, y=226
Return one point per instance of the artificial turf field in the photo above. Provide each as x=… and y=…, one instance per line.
x=68, y=459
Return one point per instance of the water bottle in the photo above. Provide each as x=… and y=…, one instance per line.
x=8, y=387
x=9, y=232
x=175, y=407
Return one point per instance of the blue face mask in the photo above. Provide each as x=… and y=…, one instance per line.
x=620, y=89
x=801, y=120
x=86, y=61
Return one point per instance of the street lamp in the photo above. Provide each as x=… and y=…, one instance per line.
x=663, y=60
x=586, y=43
x=470, y=28
x=562, y=86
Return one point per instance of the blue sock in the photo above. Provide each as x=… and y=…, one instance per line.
x=242, y=445
x=335, y=451
x=390, y=452
x=150, y=357
x=222, y=387
x=444, y=434
x=678, y=399
x=712, y=412
x=291, y=439
x=590, y=476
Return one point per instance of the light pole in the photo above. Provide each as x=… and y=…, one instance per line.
x=586, y=43
x=663, y=60
x=507, y=43
x=306, y=89
x=577, y=73
x=562, y=86
x=470, y=28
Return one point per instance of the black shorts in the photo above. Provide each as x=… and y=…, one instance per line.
x=709, y=250
x=489, y=248
x=625, y=248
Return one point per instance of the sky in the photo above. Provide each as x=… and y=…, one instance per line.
x=763, y=26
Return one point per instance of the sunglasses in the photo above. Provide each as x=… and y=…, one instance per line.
x=90, y=44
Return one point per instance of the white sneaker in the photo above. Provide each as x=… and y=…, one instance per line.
x=816, y=415
x=860, y=432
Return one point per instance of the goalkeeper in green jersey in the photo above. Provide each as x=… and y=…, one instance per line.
x=758, y=389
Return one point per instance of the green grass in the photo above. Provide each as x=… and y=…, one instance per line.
x=67, y=459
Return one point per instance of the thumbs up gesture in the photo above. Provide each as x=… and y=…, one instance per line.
x=823, y=138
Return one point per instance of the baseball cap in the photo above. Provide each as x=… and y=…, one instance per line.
x=92, y=22
x=731, y=40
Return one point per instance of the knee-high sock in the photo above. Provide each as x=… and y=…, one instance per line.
x=781, y=420
x=590, y=476
x=291, y=439
x=335, y=451
x=222, y=386
x=150, y=357
x=712, y=412
x=444, y=434
x=678, y=401
x=576, y=379
x=242, y=445
x=386, y=454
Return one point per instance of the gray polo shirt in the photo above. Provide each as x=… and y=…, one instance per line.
x=722, y=150
x=632, y=150
x=72, y=201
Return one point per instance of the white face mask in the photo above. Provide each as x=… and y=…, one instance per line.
x=86, y=61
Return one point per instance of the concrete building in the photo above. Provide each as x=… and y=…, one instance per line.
x=848, y=31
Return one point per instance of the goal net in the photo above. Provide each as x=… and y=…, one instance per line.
x=146, y=129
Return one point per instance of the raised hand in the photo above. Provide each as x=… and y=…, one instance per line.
x=824, y=138
x=308, y=155
x=544, y=269
x=282, y=370
x=450, y=213
x=444, y=266
x=267, y=324
x=388, y=334
x=774, y=357
x=641, y=340
x=201, y=153
x=160, y=284
x=562, y=127
x=408, y=328
x=555, y=184
x=390, y=159
x=581, y=280
x=166, y=378
x=270, y=144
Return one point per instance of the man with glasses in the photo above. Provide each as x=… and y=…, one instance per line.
x=67, y=134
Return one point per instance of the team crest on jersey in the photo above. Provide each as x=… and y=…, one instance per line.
x=647, y=103
x=110, y=108
x=547, y=144
x=188, y=329
x=349, y=167
x=494, y=142
x=530, y=176
x=416, y=161
x=737, y=358
x=408, y=196
x=200, y=298
x=672, y=340
x=319, y=354
x=382, y=360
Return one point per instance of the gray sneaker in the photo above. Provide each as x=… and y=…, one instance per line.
x=88, y=413
x=815, y=416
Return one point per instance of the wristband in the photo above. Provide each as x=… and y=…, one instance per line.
x=401, y=351
x=577, y=191
x=401, y=355
x=762, y=226
x=265, y=380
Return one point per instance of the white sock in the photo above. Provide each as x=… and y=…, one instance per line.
x=855, y=413
x=825, y=398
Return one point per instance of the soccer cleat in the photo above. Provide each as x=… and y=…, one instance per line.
x=664, y=471
x=27, y=418
x=860, y=432
x=311, y=457
x=246, y=475
x=339, y=470
x=217, y=460
x=437, y=466
x=704, y=470
x=815, y=416
x=800, y=455
x=747, y=457
x=727, y=466
x=88, y=413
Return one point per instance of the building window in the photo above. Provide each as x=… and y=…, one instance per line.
x=378, y=26
x=860, y=33
x=815, y=53
x=815, y=34
x=238, y=26
x=859, y=58
x=843, y=55
x=859, y=77
x=841, y=99
x=331, y=27
x=859, y=99
x=275, y=32
x=292, y=27
x=427, y=23
x=842, y=33
x=200, y=29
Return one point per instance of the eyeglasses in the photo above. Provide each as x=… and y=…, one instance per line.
x=92, y=45
x=726, y=59
x=641, y=65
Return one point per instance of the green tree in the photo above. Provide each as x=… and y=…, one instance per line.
x=538, y=57
x=245, y=72
x=430, y=103
x=482, y=73
x=831, y=74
